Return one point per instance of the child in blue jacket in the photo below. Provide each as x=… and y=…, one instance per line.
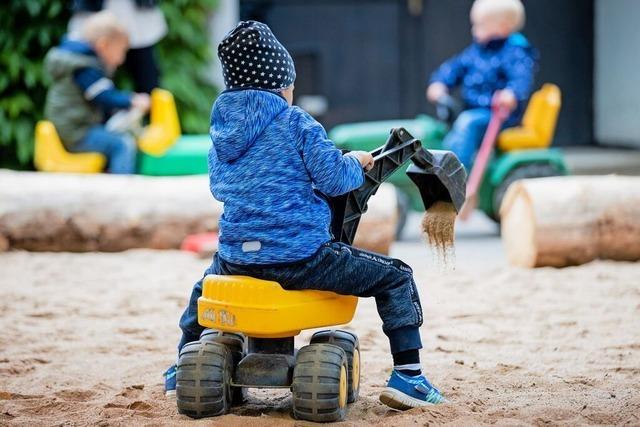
x=499, y=63
x=267, y=159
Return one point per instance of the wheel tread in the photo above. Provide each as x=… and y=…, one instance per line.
x=203, y=379
x=316, y=383
x=349, y=343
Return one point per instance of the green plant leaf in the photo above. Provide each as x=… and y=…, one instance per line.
x=183, y=57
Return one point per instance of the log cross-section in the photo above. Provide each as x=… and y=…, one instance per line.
x=562, y=221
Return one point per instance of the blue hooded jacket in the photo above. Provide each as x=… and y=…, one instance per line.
x=482, y=69
x=265, y=162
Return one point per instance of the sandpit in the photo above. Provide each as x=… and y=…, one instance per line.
x=85, y=338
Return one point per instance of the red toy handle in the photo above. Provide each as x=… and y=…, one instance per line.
x=498, y=116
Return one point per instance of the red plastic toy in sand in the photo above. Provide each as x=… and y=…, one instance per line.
x=498, y=116
x=203, y=244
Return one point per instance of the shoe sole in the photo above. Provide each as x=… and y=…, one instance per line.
x=398, y=400
x=170, y=394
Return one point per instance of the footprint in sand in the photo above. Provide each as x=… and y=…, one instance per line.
x=131, y=331
x=121, y=403
x=139, y=405
x=132, y=392
x=7, y=395
x=504, y=367
x=75, y=395
x=20, y=367
x=42, y=315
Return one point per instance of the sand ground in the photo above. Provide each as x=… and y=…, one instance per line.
x=85, y=337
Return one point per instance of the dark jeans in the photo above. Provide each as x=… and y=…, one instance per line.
x=120, y=149
x=468, y=130
x=141, y=64
x=338, y=268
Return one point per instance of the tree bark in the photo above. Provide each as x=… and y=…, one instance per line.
x=79, y=213
x=377, y=229
x=562, y=221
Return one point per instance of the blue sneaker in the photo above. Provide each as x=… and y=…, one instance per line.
x=405, y=392
x=170, y=381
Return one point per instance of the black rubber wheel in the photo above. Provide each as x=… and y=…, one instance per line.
x=349, y=343
x=531, y=170
x=236, y=343
x=204, y=379
x=404, y=206
x=320, y=383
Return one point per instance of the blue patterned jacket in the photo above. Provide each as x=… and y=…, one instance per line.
x=265, y=162
x=482, y=69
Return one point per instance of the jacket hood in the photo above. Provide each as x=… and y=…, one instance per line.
x=239, y=117
x=70, y=55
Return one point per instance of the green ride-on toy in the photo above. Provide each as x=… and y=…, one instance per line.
x=251, y=323
x=523, y=152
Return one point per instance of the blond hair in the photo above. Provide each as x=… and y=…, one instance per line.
x=511, y=10
x=103, y=24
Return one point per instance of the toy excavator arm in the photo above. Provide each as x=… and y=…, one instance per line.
x=439, y=176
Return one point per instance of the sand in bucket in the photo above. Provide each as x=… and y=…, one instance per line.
x=438, y=225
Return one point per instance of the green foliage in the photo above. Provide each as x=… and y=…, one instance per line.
x=29, y=28
x=184, y=55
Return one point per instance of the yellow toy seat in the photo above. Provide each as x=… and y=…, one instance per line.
x=538, y=124
x=262, y=309
x=51, y=156
x=164, y=128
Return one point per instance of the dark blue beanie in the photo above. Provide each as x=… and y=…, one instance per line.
x=251, y=56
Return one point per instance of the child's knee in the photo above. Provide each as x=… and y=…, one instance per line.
x=127, y=144
x=471, y=119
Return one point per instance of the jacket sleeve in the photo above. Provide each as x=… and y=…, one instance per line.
x=100, y=90
x=451, y=72
x=331, y=172
x=519, y=69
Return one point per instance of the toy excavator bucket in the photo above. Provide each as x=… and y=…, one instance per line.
x=439, y=176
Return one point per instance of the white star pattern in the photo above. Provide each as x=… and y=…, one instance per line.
x=250, y=45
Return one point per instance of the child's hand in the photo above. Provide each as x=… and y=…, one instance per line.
x=365, y=158
x=140, y=101
x=435, y=91
x=506, y=99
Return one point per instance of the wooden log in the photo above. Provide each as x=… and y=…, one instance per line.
x=377, y=229
x=562, y=221
x=68, y=212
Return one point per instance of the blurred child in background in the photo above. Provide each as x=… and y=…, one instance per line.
x=496, y=69
x=82, y=93
x=145, y=25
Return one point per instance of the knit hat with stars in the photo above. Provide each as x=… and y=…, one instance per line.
x=251, y=56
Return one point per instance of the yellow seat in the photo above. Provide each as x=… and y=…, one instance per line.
x=51, y=156
x=538, y=124
x=262, y=309
x=164, y=128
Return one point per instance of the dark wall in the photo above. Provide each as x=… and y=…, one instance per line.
x=349, y=48
x=371, y=58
